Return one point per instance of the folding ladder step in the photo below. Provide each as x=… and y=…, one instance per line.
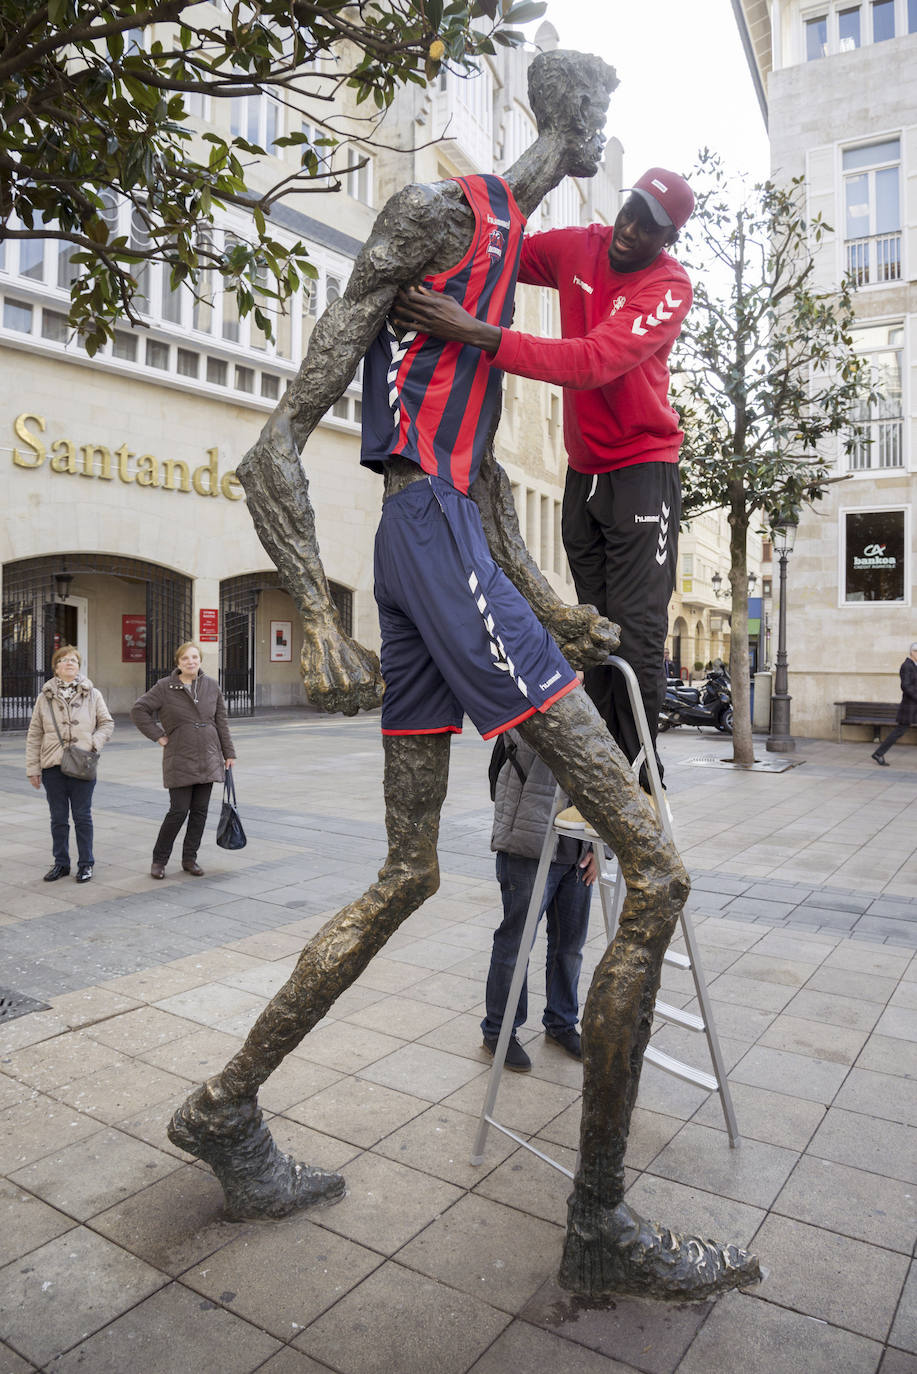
x=689, y=1019
x=680, y=1070
x=677, y=960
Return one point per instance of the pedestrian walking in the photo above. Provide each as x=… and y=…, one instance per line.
x=186, y=715
x=907, y=710
x=69, y=712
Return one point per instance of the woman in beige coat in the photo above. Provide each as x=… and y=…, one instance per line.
x=185, y=713
x=68, y=703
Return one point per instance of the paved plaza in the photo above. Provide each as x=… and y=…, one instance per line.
x=114, y=1258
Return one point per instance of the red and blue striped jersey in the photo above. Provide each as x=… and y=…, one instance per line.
x=434, y=401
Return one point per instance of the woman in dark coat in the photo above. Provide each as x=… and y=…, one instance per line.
x=185, y=713
x=907, y=711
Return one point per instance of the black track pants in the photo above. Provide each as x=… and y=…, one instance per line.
x=620, y=531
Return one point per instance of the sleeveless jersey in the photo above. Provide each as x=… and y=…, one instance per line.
x=434, y=401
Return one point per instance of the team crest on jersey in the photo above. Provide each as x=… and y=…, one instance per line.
x=618, y=302
x=496, y=244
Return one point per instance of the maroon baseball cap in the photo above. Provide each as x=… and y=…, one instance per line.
x=667, y=195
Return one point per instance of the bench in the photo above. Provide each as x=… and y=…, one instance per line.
x=878, y=714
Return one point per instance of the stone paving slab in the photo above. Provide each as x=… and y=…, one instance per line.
x=114, y=1248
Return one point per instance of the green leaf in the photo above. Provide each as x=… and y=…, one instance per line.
x=524, y=11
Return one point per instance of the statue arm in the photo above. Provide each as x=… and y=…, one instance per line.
x=584, y=637
x=338, y=673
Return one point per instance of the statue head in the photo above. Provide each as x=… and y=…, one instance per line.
x=569, y=93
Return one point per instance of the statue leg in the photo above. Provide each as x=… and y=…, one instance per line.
x=221, y=1121
x=609, y=1248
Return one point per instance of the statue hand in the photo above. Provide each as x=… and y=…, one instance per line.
x=585, y=637
x=338, y=673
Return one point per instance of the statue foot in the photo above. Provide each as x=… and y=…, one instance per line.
x=259, y=1181
x=626, y=1254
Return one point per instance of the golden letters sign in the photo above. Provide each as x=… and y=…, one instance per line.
x=97, y=460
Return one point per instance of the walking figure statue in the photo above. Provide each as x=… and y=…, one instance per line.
x=498, y=657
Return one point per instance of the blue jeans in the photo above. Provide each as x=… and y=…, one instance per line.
x=66, y=795
x=566, y=902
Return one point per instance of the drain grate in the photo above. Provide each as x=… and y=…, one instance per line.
x=774, y=764
x=13, y=1004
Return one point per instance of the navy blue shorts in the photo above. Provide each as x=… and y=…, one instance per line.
x=457, y=637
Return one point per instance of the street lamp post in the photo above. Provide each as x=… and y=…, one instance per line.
x=780, y=741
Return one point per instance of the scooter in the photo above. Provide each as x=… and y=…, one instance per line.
x=711, y=705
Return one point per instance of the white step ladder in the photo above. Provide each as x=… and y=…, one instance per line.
x=612, y=890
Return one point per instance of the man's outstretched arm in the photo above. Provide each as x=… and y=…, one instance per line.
x=338, y=673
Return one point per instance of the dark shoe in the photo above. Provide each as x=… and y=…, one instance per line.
x=568, y=1040
x=192, y=866
x=157, y=870
x=517, y=1061
x=881, y=760
x=58, y=871
x=84, y=873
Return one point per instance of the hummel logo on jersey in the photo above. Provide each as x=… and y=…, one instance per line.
x=646, y=519
x=500, y=223
x=551, y=680
x=617, y=303
x=658, y=316
x=584, y=284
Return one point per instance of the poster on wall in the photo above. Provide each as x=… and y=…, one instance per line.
x=281, y=641
x=210, y=626
x=875, y=555
x=133, y=639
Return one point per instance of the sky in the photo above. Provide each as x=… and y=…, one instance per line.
x=685, y=82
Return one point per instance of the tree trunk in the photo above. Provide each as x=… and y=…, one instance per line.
x=742, y=742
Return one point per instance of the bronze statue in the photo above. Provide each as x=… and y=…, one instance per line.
x=608, y=1248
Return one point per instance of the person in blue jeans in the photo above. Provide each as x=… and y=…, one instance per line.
x=523, y=795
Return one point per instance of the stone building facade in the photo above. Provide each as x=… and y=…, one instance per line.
x=838, y=83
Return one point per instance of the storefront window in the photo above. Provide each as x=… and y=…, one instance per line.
x=875, y=554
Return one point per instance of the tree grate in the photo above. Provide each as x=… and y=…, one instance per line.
x=13, y=1004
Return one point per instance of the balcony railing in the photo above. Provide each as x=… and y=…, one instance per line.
x=878, y=445
x=874, y=260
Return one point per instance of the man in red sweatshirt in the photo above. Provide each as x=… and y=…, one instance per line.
x=623, y=300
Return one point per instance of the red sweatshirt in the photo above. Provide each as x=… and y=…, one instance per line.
x=618, y=329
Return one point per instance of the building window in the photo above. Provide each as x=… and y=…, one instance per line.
x=767, y=586
x=848, y=29
x=879, y=427
x=245, y=379
x=257, y=119
x=874, y=555
x=188, y=364
x=359, y=180
x=216, y=371
x=124, y=346
x=54, y=326
x=872, y=207
x=270, y=386
x=17, y=315
x=844, y=26
x=157, y=354
x=816, y=37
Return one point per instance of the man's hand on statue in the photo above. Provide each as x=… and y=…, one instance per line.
x=338, y=673
x=584, y=637
x=431, y=312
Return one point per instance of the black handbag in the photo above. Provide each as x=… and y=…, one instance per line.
x=76, y=762
x=230, y=834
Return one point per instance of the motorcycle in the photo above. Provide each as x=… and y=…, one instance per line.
x=710, y=705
